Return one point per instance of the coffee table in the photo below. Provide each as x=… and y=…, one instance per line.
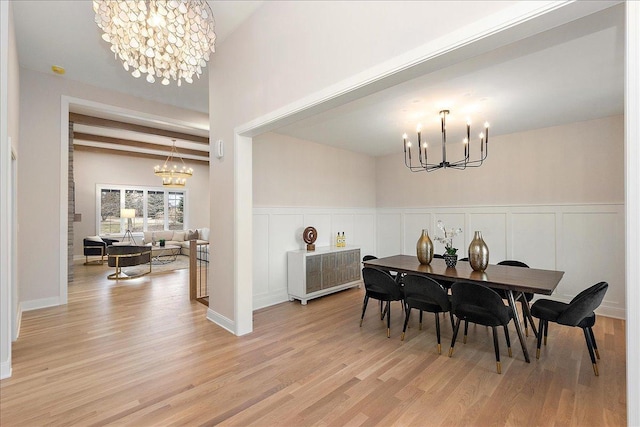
x=164, y=254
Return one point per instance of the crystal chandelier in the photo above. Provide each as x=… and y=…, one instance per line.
x=423, y=160
x=165, y=39
x=172, y=174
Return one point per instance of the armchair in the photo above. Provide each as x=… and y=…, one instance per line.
x=96, y=246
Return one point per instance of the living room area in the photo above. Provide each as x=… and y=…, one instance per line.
x=118, y=196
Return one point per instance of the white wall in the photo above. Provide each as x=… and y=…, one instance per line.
x=9, y=140
x=292, y=172
x=42, y=216
x=100, y=168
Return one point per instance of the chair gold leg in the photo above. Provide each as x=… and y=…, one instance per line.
x=402, y=337
x=499, y=366
x=545, y=340
x=388, y=333
x=510, y=353
x=464, y=339
x=595, y=369
x=538, y=353
x=420, y=326
x=439, y=349
x=451, y=352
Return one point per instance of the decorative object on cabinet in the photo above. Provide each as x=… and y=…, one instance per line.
x=478, y=253
x=309, y=235
x=424, y=248
x=327, y=270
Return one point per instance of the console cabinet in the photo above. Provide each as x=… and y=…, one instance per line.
x=321, y=272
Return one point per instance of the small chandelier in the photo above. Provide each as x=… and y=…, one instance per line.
x=172, y=174
x=464, y=163
x=165, y=39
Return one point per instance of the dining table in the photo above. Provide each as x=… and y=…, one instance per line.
x=514, y=280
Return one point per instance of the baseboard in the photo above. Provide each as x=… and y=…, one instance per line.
x=221, y=321
x=615, y=312
x=40, y=303
x=266, y=300
x=5, y=369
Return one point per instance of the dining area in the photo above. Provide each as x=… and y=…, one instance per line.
x=483, y=297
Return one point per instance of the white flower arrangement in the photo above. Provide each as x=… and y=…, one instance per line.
x=447, y=240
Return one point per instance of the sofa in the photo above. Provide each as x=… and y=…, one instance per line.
x=96, y=246
x=179, y=238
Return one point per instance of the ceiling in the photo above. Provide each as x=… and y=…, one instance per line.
x=572, y=73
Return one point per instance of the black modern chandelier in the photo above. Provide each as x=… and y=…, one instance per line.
x=423, y=157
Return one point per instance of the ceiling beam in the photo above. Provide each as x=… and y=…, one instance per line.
x=101, y=150
x=139, y=144
x=113, y=124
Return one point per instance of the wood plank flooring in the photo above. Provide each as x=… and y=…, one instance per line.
x=139, y=353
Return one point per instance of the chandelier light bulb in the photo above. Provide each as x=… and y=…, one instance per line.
x=167, y=40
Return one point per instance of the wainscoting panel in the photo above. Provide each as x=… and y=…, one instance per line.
x=280, y=230
x=260, y=254
x=590, y=255
x=533, y=238
x=364, y=232
x=389, y=233
x=493, y=227
x=414, y=223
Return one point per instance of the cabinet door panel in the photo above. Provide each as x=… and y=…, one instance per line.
x=329, y=274
x=314, y=274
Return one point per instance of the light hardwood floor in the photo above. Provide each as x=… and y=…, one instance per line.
x=140, y=353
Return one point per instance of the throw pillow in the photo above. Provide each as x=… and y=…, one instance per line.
x=95, y=239
x=192, y=235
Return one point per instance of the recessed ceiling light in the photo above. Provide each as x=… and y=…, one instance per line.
x=58, y=70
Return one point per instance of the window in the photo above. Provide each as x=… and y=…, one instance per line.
x=176, y=210
x=109, y=209
x=156, y=209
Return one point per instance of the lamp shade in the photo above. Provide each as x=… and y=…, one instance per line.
x=127, y=213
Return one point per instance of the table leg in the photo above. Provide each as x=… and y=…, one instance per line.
x=516, y=318
x=526, y=312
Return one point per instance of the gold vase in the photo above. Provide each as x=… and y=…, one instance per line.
x=478, y=253
x=424, y=248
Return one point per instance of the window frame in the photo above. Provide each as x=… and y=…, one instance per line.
x=145, y=190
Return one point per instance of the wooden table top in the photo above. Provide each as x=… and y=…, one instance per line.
x=499, y=276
